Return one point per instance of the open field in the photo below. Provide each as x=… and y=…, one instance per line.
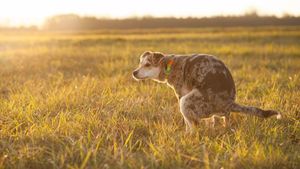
x=67, y=100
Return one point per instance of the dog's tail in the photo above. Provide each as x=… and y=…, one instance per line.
x=254, y=111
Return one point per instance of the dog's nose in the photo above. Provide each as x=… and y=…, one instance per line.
x=134, y=73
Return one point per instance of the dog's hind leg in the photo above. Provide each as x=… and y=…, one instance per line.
x=225, y=118
x=210, y=122
x=188, y=126
x=192, y=108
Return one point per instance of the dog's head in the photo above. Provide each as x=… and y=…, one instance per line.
x=149, y=67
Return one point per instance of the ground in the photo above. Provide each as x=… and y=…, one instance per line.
x=68, y=100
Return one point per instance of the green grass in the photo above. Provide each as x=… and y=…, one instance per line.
x=67, y=100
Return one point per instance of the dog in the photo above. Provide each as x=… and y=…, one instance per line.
x=202, y=83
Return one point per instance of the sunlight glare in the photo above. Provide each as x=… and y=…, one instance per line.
x=30, y=12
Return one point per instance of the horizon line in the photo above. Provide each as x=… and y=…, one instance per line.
x=251, y=13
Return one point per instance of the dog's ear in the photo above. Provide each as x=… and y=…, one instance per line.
x=157, y=58
x=146, y=53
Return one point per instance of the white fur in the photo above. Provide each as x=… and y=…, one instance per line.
x=151, y=73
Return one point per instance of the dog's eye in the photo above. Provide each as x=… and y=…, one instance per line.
x=147, y=64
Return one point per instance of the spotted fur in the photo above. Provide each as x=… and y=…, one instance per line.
x=202, y=83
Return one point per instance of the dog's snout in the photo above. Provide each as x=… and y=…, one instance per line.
x=134, y=73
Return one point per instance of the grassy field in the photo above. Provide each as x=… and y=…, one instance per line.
x=68, y=100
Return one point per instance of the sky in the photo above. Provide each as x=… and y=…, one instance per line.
x=34, y=12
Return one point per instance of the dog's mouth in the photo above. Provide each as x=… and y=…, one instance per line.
x=135, y=75
x=139, y=78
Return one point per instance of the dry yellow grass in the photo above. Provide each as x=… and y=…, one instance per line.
x=67, y=100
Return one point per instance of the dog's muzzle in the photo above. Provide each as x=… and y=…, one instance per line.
x=134, y=73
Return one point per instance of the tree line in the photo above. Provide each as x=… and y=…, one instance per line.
x=75, y=22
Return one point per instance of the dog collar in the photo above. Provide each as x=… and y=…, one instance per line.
x=169, y=67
